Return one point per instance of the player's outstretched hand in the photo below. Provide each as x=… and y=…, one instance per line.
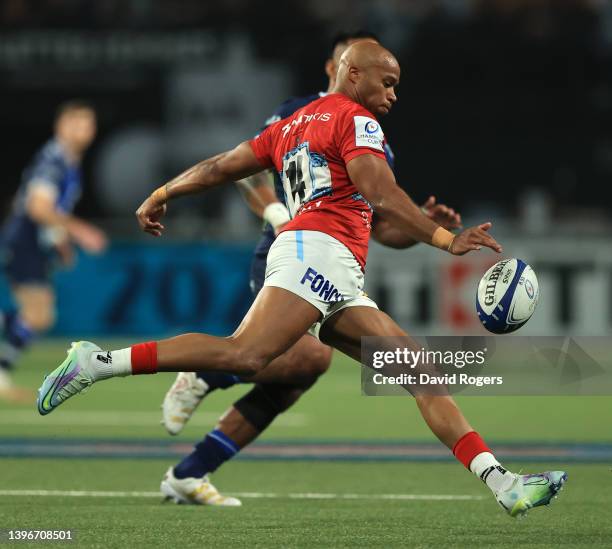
x=442, y=214
x=89, y=237
x=149, y=214
x=474, y=238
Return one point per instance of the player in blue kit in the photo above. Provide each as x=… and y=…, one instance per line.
x=300, y=367
x=40, y=231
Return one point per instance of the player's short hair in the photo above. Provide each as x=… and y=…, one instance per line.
x=73, y=105
x=344, y=37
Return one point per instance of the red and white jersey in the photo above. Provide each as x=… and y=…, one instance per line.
x=310, y=149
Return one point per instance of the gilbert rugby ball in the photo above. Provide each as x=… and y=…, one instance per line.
x=507, y=296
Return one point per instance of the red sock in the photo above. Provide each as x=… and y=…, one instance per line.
x=468, y=447
x=144, y=358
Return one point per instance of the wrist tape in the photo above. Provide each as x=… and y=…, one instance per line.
x=276, y=214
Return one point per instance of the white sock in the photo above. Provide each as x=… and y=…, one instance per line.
x=113, y=363
x=489, y=470
x=121, y=362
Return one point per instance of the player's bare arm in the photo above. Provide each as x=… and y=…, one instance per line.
x=223, y=168
x=258, y=192
x=41, y=209
x=376, y=182
x=388, y=235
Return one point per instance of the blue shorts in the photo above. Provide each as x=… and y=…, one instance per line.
x=24, y=259
x=25, y=262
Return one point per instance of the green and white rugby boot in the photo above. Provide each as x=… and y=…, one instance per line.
x=529, y=491
x=72, y=376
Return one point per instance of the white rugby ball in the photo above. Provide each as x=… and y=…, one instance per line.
x=507, y=296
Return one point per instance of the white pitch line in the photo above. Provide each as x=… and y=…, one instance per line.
x=247, y=495
x=114, y=418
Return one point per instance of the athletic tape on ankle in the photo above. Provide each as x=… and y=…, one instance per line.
x=144, y=358
x=468, y=447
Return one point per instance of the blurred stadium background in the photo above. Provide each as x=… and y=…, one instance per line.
x=504, y=113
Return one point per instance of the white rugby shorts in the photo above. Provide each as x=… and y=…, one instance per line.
x=318, y=268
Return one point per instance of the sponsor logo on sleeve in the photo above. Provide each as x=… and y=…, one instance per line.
x=368, y=133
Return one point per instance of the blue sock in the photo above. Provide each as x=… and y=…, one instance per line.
x=218, y=380
x=17, y=336
x=208, y=455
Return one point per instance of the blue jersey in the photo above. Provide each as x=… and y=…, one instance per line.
x=52, y=169
x=286, y=109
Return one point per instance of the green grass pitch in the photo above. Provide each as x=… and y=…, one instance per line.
x=300, y=503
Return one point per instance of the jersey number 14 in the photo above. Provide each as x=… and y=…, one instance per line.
x=306, y=176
